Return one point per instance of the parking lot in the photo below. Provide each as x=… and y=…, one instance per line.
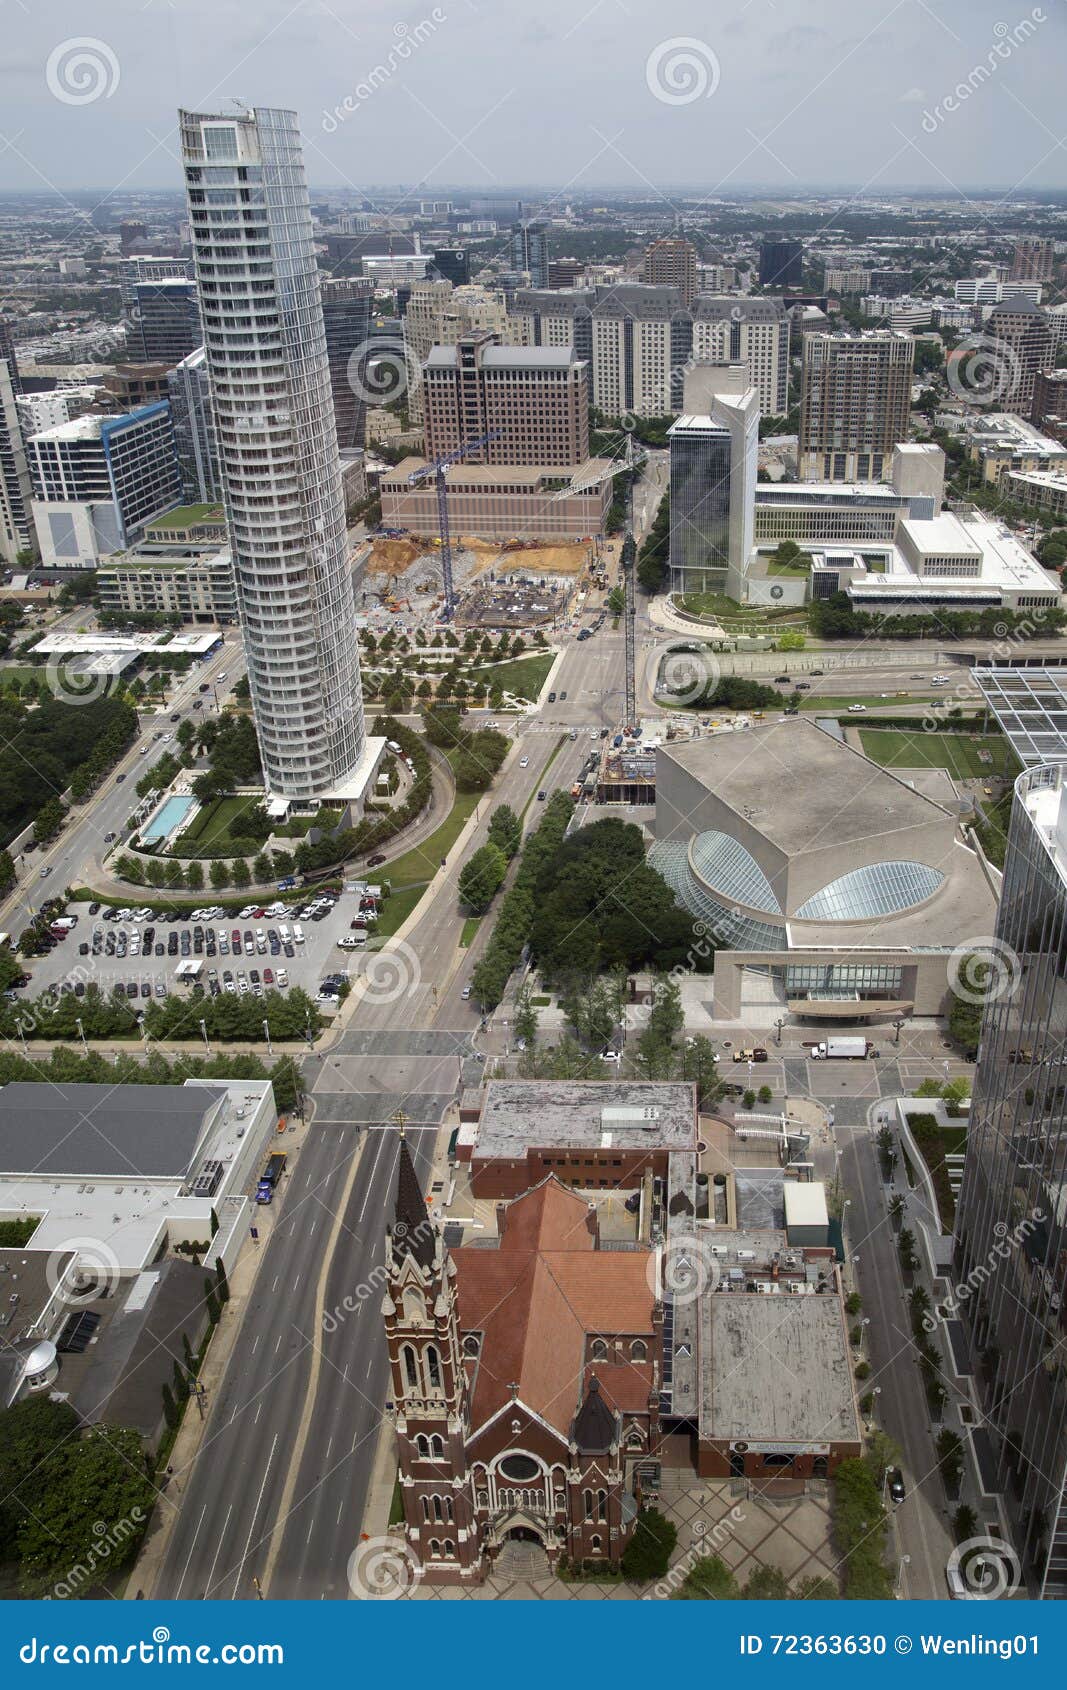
x=273, y=947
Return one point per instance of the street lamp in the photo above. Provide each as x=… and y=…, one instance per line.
x=266, y=1035
x=203, y=1030
x=81, y=1032
x=778, y=1025
x=905, y=1561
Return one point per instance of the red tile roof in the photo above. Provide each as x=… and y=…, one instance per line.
x=538, y=1297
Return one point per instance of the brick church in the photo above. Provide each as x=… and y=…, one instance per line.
x=525, y=1382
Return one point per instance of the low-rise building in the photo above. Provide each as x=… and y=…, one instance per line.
x=502, y=502
x=125, y=1184
x=194, y=585
x=98, y=480
x=596, y=1133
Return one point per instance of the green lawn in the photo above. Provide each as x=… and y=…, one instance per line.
x=958, y=753
x=216, y=823
x=789, y=568
x=395, y=911
x=826, y=702
x=470, y=928
x=560, y=743
x=421, y=863
x=730, y=612
x=525, y=676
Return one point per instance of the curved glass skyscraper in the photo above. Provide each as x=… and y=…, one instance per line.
x=277, y=443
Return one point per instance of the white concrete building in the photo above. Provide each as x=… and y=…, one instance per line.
x=265, y=344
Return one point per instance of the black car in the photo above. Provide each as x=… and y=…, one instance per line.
x=250, y=940
x=288, y=948
x=563, y=695
x=896, y=1484
x=131, y=988
x=83, y=950
x=377, y=859
x=253, y=975
x=79, y=988
x=551, y=698
x=146, y=988
x=541, y=796
x=94, y=909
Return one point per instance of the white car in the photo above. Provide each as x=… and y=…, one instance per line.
x=524, y=762
x=298, y=935
x=247, y=911
x=465, y=994
x=856, y=709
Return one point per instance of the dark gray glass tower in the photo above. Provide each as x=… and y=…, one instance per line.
x=1011, y=1226
x=346, y=312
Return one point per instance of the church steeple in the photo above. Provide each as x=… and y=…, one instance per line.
x=412, y=1230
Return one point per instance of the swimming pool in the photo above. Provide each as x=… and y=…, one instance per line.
x=167, y=819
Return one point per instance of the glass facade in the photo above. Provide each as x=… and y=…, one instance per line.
x=1011, y=1238
x=265, y=344
x=731, y=926
x=876, y=889
x=700, y=510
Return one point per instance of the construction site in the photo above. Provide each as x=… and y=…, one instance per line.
x=505, y=585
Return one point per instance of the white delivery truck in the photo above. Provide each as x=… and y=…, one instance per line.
x=840, y=1048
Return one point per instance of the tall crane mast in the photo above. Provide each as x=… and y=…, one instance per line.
x=438, y=469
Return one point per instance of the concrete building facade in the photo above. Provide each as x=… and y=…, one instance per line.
x=855, y=402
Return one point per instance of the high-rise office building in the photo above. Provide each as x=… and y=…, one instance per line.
x=751, y=331
x=672, y=263
x=453, y=264
x=1050, y=398
x=16, y=522
x=564, y=272
x=144, y=267
x=438, y=314
x=713, y=472
x=642, y=338
x=270, y=380
x=1023, y=346
x=346, y=313
x=98, y=480
x=164, y=322
x=1033, y=260
x=529, y=252
x=189, y=392
x=1011, y=1225
x=781, y=263
x=855, y=399
x=533, y=400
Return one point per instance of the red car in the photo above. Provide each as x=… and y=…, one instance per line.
x=268, y=977
x=235, y=936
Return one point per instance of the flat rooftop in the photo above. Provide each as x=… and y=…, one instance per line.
x=509, y=357
x=102, y=1131
x=775, y=1369
x=505, y=475
x=188, y=516
x=603, y=1114
x=1030, y=706
x=802, y=789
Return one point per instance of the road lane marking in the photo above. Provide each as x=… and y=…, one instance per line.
x=255, y=1511
x=218, y=1549
x=192, y=1546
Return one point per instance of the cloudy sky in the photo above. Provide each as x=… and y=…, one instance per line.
x=646, y=95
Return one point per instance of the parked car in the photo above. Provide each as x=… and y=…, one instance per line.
x=896, y=1484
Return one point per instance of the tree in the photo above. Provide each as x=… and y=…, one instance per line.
x=965, y=1523
x=700, y=1064
x=219, y=874
x=239, y=874
x=708, y=1580
x=98, y=1476
x=30, y=1431
x=194, y=876
x=7, y=871
x=765, y=1584
x=481, y=877
x=949, y=1448
x=882, y=1453
x=815, y=1589
x=648, y=1553
x=50, y=818
x=749, y=1099
x=525, y=1015
x=505, y=830
x=897, y=1207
